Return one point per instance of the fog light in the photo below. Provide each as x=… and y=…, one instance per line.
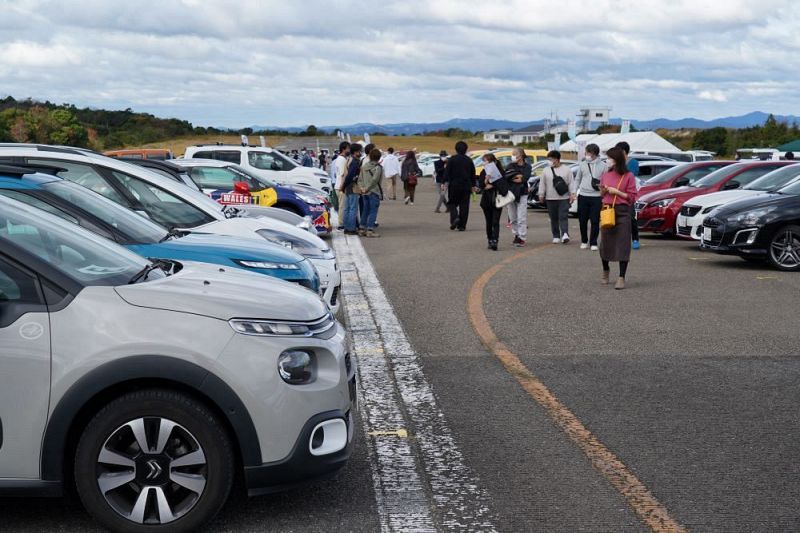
x=296, y=367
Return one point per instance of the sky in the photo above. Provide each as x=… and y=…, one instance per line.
x=336, y=62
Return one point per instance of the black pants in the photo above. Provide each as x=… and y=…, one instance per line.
x=459, y=208
x=492, y=216
x=634, y=226
x=589, y=211
x=559, y=217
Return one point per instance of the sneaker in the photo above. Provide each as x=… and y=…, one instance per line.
x=410, y=203
x=565, y=238
x=636, y=245
x=520, y=244
x=584, y=246
x=594, y=248
x=407, y=200
x=437, y=211
x=556, y=240
x=361, y=233
x=516, y=239
x=372, y=233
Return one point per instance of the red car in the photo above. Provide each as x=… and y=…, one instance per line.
x=681, y=175
x=656, y=212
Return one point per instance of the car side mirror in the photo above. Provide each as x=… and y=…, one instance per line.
x=241, y=187
x=682, y=182
x=733, y=184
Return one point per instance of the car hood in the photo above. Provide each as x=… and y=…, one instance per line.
x=234, y=247
x=674, y=192
x=248, y=227
x=723, y=197
x=223, y=293
x=757, y=201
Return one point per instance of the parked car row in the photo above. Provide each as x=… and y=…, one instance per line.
x=158, y=346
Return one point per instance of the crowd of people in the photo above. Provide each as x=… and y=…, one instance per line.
x=605, y=192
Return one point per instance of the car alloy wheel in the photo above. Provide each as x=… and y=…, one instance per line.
x=154, y=459
x=151, y=470
x=784, y=250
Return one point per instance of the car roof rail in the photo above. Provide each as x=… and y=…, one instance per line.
x=20, y=169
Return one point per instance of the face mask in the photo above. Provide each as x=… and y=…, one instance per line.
x=611, y=165
x=442, y=158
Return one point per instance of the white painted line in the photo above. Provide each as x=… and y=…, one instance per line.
x=422, y=482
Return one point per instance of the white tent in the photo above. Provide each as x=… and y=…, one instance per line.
x=642, y=141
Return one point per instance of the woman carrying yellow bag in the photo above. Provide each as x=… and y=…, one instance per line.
x=618, y=187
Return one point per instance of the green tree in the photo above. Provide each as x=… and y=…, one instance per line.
x=713, y=140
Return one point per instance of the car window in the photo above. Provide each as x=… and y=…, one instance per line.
x=228, y=155
x=161, y=206
x=219, y=178
x=16, y=287
x=74, y=251
x=268, y=161
x=775, y=179
x=752, y=174
x=163, y=173
x=203, y=155
x=717, y=176
x=26, y=198
x=84, y=175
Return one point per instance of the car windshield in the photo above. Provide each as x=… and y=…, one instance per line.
x=135, y=228
x=236, y=169
x=718, y=176
x=78, y=253
x=792, y=188
x=775, y=179
x=667, y=175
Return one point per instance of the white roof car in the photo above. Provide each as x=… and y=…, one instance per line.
x=689, y=222
x=263, y=161
x=174, y=205
x=148, y=387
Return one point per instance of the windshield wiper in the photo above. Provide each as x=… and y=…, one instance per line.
x=172, y=234
x=143, y=273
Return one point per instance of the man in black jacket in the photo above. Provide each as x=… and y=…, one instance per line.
x=460, y=178
x=438, y=174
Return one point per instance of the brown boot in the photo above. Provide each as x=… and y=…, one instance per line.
x=620, y=284
x=604, y=280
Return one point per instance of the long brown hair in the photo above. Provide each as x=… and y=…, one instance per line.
x=492, y=159
x=620, y=161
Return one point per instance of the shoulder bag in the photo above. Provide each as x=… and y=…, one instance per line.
x=608, y=217
x=595, y=181
x=559, y=184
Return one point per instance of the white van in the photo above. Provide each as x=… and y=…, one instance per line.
x=262, y=161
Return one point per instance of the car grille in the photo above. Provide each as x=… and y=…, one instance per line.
x=684, y=230
x=712, y=222
x=690, y=210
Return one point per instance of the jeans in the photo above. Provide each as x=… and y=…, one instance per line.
x=459, y=208
x=589, y=211
x=442, y=196
x=369, y=214
x=518, y=216
x=559, y=213
x=351, y=212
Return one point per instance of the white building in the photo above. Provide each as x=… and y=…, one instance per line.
x=497, y=136
x=590, y=118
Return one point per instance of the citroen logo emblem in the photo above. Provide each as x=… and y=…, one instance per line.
x=154, y=470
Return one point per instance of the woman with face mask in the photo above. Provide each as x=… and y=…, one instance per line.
x=618, y=190
x=518, y=172
x=492, y=182
x=590, y=171
x=557, y=190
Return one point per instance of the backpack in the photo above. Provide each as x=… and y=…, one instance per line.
x=559, y=184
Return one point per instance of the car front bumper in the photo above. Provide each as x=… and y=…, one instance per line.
x=726, y=240
x=690, y=227
x=656, y=219
x=330, y=281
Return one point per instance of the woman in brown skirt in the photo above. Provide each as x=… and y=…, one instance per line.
x=618, y=187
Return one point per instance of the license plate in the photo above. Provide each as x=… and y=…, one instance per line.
x=707, y=234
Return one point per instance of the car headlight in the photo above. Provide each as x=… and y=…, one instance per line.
x=267, y=265
x=754, y=217
x=309, y=199
x=662, y=203
x=297, y=367
x=274, y=328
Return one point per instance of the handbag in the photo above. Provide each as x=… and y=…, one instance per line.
x=412, y=179
x=595, y=181
x=559, y=184
x=608, y=217
x=502, y=200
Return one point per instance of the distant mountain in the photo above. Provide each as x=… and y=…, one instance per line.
x=756, y=118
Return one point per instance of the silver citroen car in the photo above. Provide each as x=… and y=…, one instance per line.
x=153, y=386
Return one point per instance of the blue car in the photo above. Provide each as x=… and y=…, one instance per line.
x=88, y=209
x=230, y=184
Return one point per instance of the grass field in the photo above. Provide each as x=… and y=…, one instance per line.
x=420, y=143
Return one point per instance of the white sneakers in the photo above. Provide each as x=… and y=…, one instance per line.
x=565, y=238
x=584, y=246
x=556, y=240
x=594, y=248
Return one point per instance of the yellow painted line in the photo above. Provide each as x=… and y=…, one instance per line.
x=402, y=433
x=638, y=496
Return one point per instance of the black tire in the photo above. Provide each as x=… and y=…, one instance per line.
x=784, y=249
x=191, y=419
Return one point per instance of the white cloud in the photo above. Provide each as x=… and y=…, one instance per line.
x=276, y=62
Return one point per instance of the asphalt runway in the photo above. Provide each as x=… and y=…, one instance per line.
x=687, y=379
